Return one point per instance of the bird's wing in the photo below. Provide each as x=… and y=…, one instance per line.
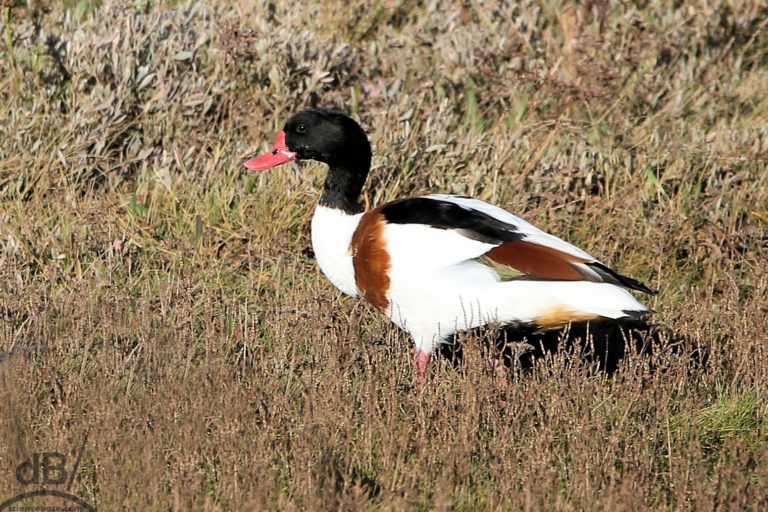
x=451, y=229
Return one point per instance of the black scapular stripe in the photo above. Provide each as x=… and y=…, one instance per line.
x=446, y=215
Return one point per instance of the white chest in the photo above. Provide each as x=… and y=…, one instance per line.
x=332, y=232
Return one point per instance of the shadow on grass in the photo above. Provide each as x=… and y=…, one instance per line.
x=602, y=346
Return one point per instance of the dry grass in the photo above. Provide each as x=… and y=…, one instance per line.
x=154, y=294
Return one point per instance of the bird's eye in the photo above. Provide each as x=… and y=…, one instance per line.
x=300, y=128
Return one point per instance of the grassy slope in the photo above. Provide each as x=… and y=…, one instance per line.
x=153, y=293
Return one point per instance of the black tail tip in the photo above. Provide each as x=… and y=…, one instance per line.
x=612, y=276
x=638, y=315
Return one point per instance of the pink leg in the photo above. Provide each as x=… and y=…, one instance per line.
x=420, y=362
x=499, y=371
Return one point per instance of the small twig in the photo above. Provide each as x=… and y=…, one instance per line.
x=8, y=33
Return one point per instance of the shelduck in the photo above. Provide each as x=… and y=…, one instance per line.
x=438, y=264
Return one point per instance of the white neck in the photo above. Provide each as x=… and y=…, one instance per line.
x=332, y=231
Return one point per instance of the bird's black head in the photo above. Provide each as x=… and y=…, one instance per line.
x=324, y=135
x=327, y=136
x=330, y=137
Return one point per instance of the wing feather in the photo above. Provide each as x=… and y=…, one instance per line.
x=510, y=246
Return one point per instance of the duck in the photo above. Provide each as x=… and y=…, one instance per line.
x=439, y=264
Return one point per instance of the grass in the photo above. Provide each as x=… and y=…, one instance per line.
x=156, y=296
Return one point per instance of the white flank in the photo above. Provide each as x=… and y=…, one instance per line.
x=332, y=232
x=437, y=289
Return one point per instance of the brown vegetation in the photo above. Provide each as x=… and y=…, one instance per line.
x=154, y=294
